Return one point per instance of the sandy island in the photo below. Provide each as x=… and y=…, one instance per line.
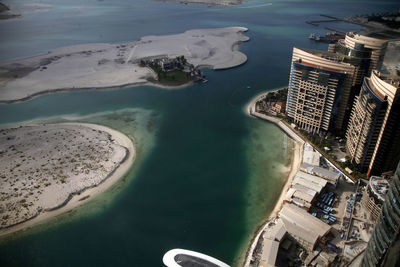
x=101, y=65
x=48, y=169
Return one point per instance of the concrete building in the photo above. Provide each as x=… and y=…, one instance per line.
x=277, y=232
x=279, y=107
x=270, y=245
x=304, y=189
x=319, y=87
x=302, y=226
x=375, y=43
x=374, y=196
x=330, y=176
x=366, y=53
x=384, y=246
x=301, y=199
x=310, y=156
x=269, y=253
x=373, y=132
x=310, y=181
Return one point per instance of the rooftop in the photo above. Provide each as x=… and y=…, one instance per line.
x=308, y=180
x=276, y=232
x=300, y=223
x=390, y=79
x=310, y=156
x=304, y=189
x=379, y=186
x=269, y=254
x=328, y=175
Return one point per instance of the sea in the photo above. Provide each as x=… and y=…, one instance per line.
x=206, y=175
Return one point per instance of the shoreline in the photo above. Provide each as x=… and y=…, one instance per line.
x=294, y=167
x=115, y=66
x=254, y=99
x=106, y=88
x=76, y=199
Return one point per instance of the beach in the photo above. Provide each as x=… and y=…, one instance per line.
x=106, y=66
x=69, y=188
x=294, y=167
x=296, y=160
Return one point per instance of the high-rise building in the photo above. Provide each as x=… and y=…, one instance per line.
x=365, y=53
x=373, y=132
x=384, y=246
x=319, y=87
x=365, y=48
x=374, y=196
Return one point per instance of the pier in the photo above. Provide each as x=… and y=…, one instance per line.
x=317, y=22
x=335, y=30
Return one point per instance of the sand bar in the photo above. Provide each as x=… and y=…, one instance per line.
x=103, y=65
x=48, y=169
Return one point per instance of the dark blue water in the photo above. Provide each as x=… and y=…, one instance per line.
x=206, y=174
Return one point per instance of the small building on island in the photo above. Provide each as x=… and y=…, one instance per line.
x=279, y=107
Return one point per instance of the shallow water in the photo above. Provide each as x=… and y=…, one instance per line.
x=207, y=174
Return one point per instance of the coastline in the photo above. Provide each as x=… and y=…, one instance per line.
x=106, y=88
x=294, y=167
x=253, y=100
x=115, y=66
x=86, y=194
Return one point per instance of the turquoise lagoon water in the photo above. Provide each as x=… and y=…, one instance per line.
x=206, y=175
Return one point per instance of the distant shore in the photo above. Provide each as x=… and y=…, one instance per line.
x=53, y=200
x=207, y=2
x=294, y=167
x=112, y=66
x=5, y=12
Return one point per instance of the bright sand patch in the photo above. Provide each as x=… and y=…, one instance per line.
x=103, y=65
x=294, y=167
x=289, y=175
x=59, y=179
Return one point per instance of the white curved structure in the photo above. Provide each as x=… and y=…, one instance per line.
x=377, y=46
x=182, y=257
x=373, y=134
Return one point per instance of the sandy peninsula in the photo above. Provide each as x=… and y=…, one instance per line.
x=48, y=169
x=103, y=65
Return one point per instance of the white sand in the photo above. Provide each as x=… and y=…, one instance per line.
x=42, y=167
x=116, y=65
x=295, y=166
